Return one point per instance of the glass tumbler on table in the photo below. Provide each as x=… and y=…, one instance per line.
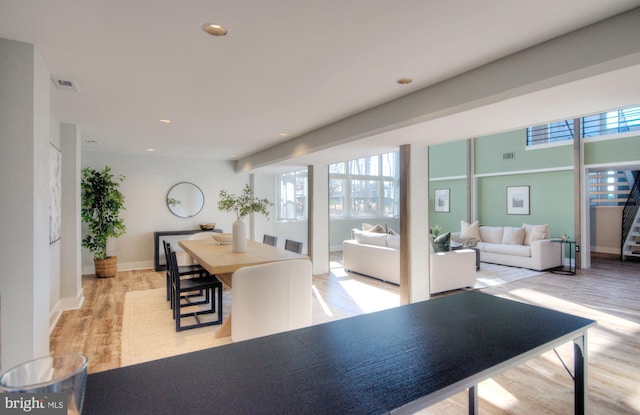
x=61, y=374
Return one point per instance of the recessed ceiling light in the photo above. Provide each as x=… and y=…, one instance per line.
x=165, y=121
x=283, y=135
x=214, y=29
x=151, y=150
x=404, y=81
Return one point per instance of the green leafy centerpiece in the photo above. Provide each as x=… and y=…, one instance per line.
x=242, y=205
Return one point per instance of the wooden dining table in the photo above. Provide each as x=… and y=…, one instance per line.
x=220, y=260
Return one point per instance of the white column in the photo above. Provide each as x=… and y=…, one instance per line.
x=24, y=168
x=71, y=293
x=414, y=223
x=319, y=218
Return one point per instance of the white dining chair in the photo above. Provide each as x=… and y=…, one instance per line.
x=186, y=259
x=270, y=298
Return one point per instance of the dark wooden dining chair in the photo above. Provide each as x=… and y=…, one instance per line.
x=293, y=246
x=182, y=297
x=270, y=240
x=183, y=270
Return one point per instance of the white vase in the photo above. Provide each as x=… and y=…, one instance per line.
x=239, y=236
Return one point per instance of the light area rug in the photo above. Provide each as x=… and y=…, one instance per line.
x=148, y=328
x=149, y=333
x=491, y=275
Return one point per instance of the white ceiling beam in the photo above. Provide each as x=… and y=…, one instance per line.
x=600, y=48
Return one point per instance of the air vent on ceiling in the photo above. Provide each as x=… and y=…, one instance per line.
x=508, y=156
x=65, y=85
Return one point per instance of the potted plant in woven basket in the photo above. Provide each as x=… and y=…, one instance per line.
x=102, y=202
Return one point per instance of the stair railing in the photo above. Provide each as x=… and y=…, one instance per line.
x=629, y=212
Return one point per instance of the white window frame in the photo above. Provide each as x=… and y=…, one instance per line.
x=379, y=177
x=288, y=195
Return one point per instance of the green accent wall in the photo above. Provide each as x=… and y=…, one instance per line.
x=449, y=221
x=448, y=160
x=547, y=172
x=489, y=153
x=550, y=200
x=612, y=151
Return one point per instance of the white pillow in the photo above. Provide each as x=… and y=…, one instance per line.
x=393, y=241
x=491, y=234
x=469, y=230
x=513, y=236
x=370, y=238
x=535, y=233
x=373, y=228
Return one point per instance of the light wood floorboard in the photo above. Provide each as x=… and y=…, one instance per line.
x=608, y=292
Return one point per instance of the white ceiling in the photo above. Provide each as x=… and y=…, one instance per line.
x=285, y=66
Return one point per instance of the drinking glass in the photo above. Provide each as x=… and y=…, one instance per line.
x=61, y=373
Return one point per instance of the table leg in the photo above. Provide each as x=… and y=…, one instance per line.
x=473, y=400
x=580, y=373
x=225, y=328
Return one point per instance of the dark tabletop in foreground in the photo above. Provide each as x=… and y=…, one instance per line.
x=368, y=364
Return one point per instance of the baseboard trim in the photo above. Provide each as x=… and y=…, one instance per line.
x=122, y=266
x=64, y=304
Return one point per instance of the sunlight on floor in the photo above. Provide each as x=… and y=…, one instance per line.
x=323, y=304
x=595, y=344
x=493, y=392
x=334, y=264
x=369, y=298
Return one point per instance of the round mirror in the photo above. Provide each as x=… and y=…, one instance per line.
x=185, y=200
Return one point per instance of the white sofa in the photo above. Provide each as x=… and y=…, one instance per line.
x=378, y=255
x=527, y=246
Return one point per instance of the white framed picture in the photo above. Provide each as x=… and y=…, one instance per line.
x=442, y=200
x=517, y=200
x=55, y=193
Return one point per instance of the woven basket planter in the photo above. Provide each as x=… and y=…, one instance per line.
x=106, y=268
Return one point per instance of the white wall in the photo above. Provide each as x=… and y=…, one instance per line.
x=148, y=179
x=605, y=229
x=24, y=168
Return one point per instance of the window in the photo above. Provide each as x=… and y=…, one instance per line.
x=336, y=197
x=550, y=133
x=612, y=122
x=292, y=195
x=365, y=187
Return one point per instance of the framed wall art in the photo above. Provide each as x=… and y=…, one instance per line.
x=517, y=200
x=442, y=200
x=55, y=193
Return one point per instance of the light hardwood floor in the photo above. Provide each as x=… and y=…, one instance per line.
x=608, y=292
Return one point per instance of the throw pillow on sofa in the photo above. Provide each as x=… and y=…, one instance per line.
x=535, y=233
x=468, y=231
x=441, y=243
x=513, y=236
x=393, y=241
x=491, y=234
x=370, y=238
x=373, y=228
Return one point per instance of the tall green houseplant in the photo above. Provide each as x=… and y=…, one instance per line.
x=102, y=202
